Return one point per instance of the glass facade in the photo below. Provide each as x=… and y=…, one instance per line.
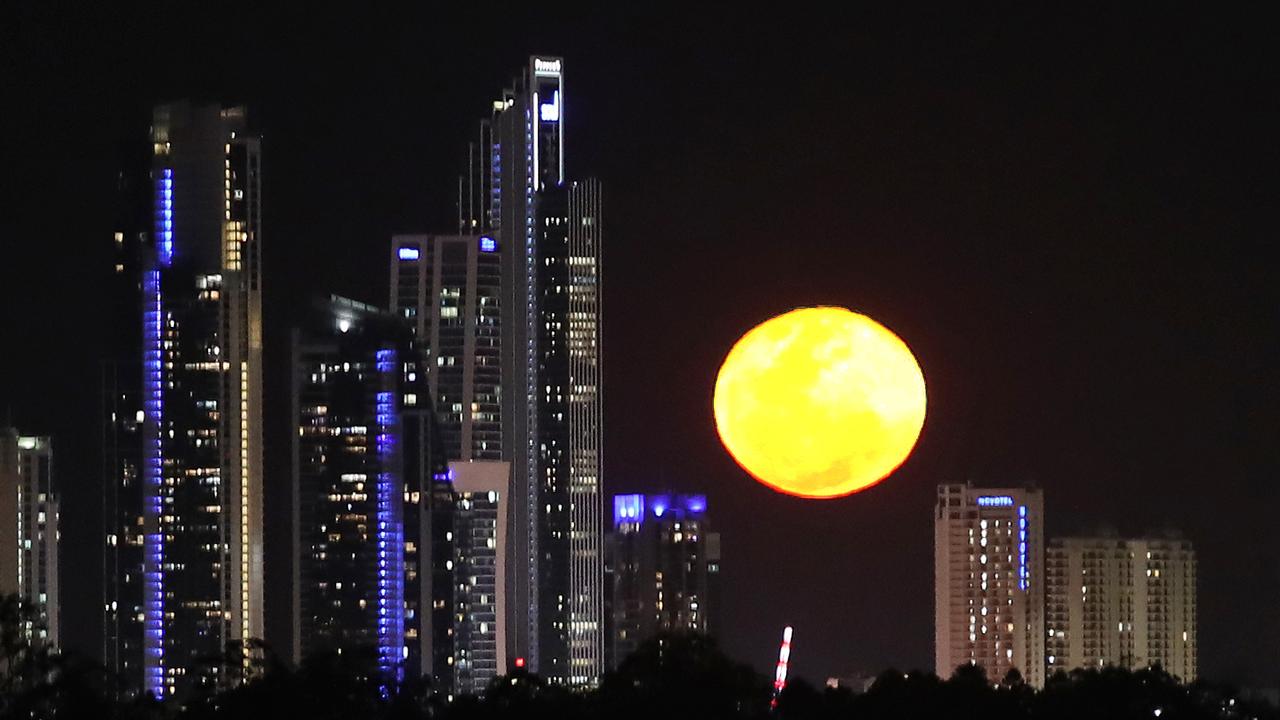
x=122, y=418
x=183, y=436
x=365, y=503
x=548, y=230
x=567, y=411
x=448, y=287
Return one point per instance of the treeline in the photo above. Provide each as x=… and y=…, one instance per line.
x=671, y=677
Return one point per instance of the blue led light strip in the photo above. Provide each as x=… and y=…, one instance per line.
x=390, y=529
x=164, y=217
x=1024, y=575
x=153, y=483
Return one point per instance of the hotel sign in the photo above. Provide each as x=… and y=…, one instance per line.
x=546, y=67
x=995, y=501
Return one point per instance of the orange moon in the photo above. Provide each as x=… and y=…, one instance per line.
x=819, y=402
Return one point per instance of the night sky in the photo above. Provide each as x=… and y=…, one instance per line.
x=1066, y=218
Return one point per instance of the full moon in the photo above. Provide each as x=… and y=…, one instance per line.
x=819, y=402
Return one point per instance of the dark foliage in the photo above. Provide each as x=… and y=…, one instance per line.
x=670, y=677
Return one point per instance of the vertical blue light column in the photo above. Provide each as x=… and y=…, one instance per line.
x=1024, y=575
x=164, y=220
x=153, y=386
x=390, y=529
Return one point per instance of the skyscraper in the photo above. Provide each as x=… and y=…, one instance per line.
x=448, y=288
x=480, y=562
x=989, y=581
x=122, y=418
x=29, y=531
x=198, y=486
x=547, y=230
x=1128, y=603
x=525, y=157
x=366, y=472
x=567, y=423
x=664, y=570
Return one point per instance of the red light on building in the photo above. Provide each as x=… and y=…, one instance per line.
x=519, y=662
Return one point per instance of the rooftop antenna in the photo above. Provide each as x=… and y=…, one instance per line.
x=460, y=211
x=471, y=187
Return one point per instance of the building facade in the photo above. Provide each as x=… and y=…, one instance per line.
x=370, y=496
x=664, y=570
x=547, y=232
x=525, y=157
x=29, y=532
x=566, y=414
x=479, y=571
x=448, y=287
x=122, y=417
x=184, y=473
x=1128, y=603
x=989, y=588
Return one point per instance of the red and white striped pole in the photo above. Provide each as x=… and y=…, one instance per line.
x=780, y=675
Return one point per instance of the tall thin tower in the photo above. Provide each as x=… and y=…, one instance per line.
x=567, y=411
x=201, y=429
x=122, y=419
x=548, y=232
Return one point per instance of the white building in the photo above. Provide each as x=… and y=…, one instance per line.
x=29, y=531
x=479, y=572
x=1125, y=603
x=989, y=591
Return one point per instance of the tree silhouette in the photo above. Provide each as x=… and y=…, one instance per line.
x=671, y=677
x=683, y=675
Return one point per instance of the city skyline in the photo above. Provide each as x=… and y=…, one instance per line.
x=381, y=399
x=1080, y=291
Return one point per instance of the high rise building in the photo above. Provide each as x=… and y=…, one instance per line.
x=989, y=581
x=547, y=231
x=480, y=563
x=122, y=418
x=371, y=503
x=448, y=287
x=29, y=532
x=566, y=418
x=1127, y=603
x=197, y=485
x=664, y=565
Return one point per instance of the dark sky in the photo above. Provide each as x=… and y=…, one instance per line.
x=1065, y=216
